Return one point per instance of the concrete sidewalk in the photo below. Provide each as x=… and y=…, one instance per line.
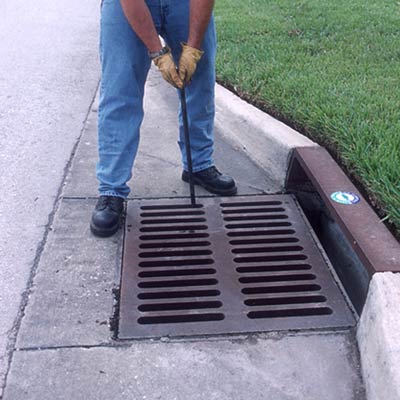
x=64, y=348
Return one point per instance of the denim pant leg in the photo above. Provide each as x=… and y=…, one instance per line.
x=125, y=64
x=200, y=93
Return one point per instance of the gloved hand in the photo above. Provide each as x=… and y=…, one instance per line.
x=188, y=62
x=167, y=67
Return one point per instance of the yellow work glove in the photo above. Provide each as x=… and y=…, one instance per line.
x=167, y=67
x=187, y=64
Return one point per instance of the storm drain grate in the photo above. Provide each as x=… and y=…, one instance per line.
x=228, y=265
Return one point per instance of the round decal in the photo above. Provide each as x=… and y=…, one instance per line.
x=345, y=198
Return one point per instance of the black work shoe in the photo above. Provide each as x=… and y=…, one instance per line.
x=107, y=216
x=213, y=181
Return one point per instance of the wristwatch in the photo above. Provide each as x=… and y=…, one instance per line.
x=159, y=53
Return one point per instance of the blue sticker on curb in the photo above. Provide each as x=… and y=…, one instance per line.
x=347, y=198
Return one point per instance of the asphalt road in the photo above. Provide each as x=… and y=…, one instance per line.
x=48, y=77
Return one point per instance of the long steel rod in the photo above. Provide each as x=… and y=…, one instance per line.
x=187, y=146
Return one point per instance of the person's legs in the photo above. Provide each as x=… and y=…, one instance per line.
x=200, y=92
x=125, y=64
x=200, y=100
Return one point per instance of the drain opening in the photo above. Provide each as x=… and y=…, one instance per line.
x=177, y=272
x=258, y=225
x=172, y=221
x=172, y=236
x=281, y=289
x=179, y=319
x=302, y=312
x=171, y=213
x=171, y=206
x=278, y=278
x=269, y=249
x=163, y=245
x=273, y=268
x=179, y=228
x=253, y=210
x=177, y=283
x=251, y=204
x=271, y=232
x=175, y=263
x=285, y=300
x=264, y=241
x=281, y=257
x=256, y=217
x=176, y=253
x=178, y=294
x=193, y=305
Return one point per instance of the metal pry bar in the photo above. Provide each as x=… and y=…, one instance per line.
x=187, y=146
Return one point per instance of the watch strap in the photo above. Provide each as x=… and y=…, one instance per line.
x=159, y=53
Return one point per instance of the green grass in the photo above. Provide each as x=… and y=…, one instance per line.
x=332, y=68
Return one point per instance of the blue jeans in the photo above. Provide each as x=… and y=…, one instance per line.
x=125, y=64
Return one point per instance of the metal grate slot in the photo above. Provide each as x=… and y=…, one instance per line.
x=271, y=268
x=250, y=204
x=165, y=245
x=179, y=319
x=268, y=240
x=247, y=265
x=177, y=272
x=273, y=301
x=298, y=287
x=178, y=228
x=171, y=206
x=194, y=305
x=261, y=233
x=278, y=278
x=176, y=263
x=252, y=210
x=258, y=225
x=300, y=312
x=177, y=253
x=178, y=295
x=174, y=236
x=177, y=283
x=255, y=217
x=280, y=257
x=172, y=221
x=269, y=249
x=171, y=213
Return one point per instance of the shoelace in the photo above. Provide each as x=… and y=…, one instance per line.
x=211, y=172
x=109, y=201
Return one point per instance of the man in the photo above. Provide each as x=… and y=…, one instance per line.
x=129, y=41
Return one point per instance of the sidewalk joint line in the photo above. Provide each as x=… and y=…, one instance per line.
x=234, y=338
x=115, y=345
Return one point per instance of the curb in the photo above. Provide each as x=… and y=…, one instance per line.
x=267, y=141
x=378, y=337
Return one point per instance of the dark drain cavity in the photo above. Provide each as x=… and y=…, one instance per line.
x=223, y=266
